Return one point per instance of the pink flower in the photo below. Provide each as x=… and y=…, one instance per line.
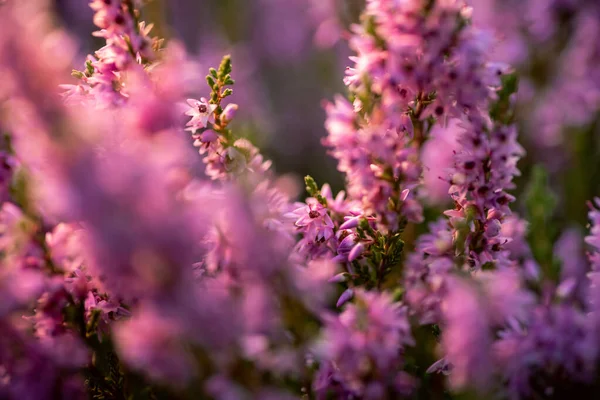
x=313, y=220
x=201, y=112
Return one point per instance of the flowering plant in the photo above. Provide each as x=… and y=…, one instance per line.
x=128, y=272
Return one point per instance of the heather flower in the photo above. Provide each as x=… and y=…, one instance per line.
x=366, y=339
x=515, y=230
x=127, y=44
x=123, y=260
x=338, y=205
x=158, y=353
x=229, y=113
x=506, y=298
x=466, y=336
x=553, y=349
x=574, y=266
x=415, y=80
x=201, y=112
x=370, y=182
x=483, y=172
x=65, y=246
x=415, y=63
x=313, y=222
x=29, y=370
x=427, y=269
x=350, y=245
x=221, y=285
x=101, y=309
x=18, y=288
x=593, y=240
x=437, y=156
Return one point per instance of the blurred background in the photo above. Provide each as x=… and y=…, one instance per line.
x=287, y=59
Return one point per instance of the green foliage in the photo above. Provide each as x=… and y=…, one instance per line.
x=541, y=205
x=313, y=190
x=211, y=81
x=501, y=110
x=383, y=256
x=104, y=379
x=77, y=74
x=89, y=71
x=226, y=92
x=218, y=80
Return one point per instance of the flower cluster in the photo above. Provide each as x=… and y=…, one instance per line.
x=127, y=44
x=361, y=352
x=127, y=273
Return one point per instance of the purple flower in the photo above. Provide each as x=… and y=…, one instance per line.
x=373, y=158
x=201, y=112
x=554, y=347
x=366, y=339
x=466, y=336
x=437, y=156
x=158, y=352
x=127, y=44
x=427, y=269
x=515, y=229
x=345, y=297
x=18, y=288
x=593, y=240
x=505, y=297
x=65, y=246
x=31, y=371
x=229, y=113
x=569, y=249
x=314, y=223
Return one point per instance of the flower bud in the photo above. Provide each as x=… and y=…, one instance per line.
x=228, y=113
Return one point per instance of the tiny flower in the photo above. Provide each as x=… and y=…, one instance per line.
x=440, y=365
x=235, y=161
x=404, y=195
x=206, y=137
x=228, y=113
x=345, y=297
x=201, y=112
x=339, y=278
x=356, y=252
x=566, y=288
x=351, y=222
x=406, y=125
x=345, y=246
x=313, y=220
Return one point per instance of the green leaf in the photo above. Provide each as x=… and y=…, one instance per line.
x=501, y=110
x=311, y=185
x=228, y=80
x=77, y=74
x=211, y=82
x=541, y=204
x=225, y=67
x=397, y=294
x=89, y=68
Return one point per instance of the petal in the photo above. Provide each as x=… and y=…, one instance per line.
x=356, y=252
x=350, y=223
x=347, y=295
